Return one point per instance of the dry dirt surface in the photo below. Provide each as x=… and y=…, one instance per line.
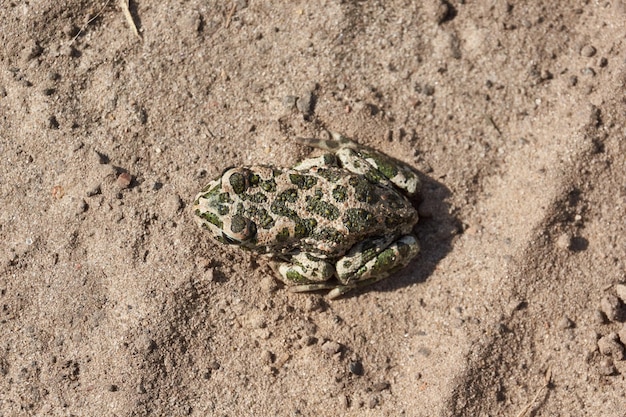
x=114, y=303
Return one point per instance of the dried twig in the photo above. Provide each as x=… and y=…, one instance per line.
x=125, y=5
x=227, y=21
x=230, y=15
x=82, y=29
x=493, y=124
x=546, y=384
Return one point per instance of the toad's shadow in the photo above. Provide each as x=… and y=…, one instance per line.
x=435, y=231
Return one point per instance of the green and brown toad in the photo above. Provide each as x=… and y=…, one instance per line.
x=339, y=221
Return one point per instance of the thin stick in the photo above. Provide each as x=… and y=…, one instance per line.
x=547, y=381
x=230, y=15
x=125, y=5
x=89, y=21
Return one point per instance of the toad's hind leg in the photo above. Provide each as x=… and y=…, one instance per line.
x=372, y=261
x=304, y=270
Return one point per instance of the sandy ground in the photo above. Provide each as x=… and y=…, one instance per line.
x=113, y=302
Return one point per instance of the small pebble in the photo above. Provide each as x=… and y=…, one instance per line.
x=515, y=305
x=606, y=367
x=53, y=123
x=565, y=323
x=172, y=205
x=620, y=290
x=598, y=317
x=70, y=51
x=594, y=115
x=381, y=386
x=70, y=30
x=58, y=192
x=424, y=351
x=123, y=180
x=305, y=103
x=141, y=114
x=31, y=50
x=112, y=388
x=310, y=328
x=330, y=348
x=441, y=12
x=145, y=344
x=572, y=81
x=611, y=307
x=201, y=174
x=209, y=275
x=93, y=190
x=564, y=241
x=310, y=86
x=588, y=51
x=191, y=23
x=267, y=357
x=257, y=320
x=140, y=388
x=609, y=345
x=373, y=402
x=603, y=62
x=588, y=72
x=313, y=304
x=369, y=109
x=289, y=102
x=622, y=334
x=428, y=90
x=268, y=284
x=307, y=341
x=264, y=334
x=356, y=368
x=545, y=75
x=81, y=206
x=99, y=158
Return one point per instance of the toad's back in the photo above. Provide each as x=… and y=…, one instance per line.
x=321, y=211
